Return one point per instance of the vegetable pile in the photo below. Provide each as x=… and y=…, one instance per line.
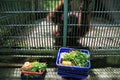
x=75, y=58
x=34, y=66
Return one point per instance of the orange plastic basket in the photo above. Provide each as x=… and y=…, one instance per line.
x=28, y=72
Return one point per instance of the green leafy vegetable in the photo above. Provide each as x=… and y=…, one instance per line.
x=77, y=58
x=38, y=67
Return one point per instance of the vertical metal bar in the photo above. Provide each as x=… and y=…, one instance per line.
x=65, y=22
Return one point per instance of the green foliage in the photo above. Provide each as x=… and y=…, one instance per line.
x=77, y=58
x=50, y=4
x=38, y=67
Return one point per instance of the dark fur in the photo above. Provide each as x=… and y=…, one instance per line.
x=74, y=32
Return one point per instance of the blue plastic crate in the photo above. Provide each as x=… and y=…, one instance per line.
x=72, y=69
x=69, y=75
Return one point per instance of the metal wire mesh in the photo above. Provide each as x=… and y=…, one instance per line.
x=25, y=32
x=24, y=24
x=103, y=73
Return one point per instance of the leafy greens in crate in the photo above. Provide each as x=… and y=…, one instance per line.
x=75, y=58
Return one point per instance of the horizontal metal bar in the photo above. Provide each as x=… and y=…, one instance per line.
x=24, y=56
x=22, y=37
x=9, y=51
x=45, y=11
x=10, y=65
x=106, y=25
x=13, y=12
x=92, y=24
x=15, y=0
x=24, y=48
x=25, y=25
x=105, y=11
x=27, y=51
x=106, y=51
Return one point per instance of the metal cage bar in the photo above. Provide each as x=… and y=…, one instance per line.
x=12, y=22
x=26, y=35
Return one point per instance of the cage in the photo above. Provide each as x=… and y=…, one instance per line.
x=35, y=30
